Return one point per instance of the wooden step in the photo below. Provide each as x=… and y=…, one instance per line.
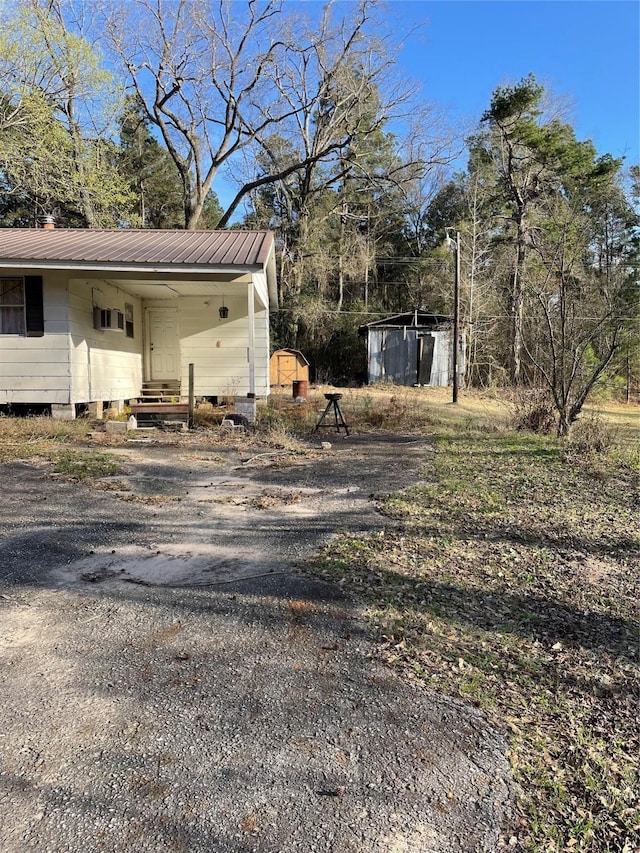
x=161, y=390
x=158, y=413
x=160, y=408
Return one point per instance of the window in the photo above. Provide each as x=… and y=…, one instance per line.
x=128, y=319
x=21, y=306
x=12, y=305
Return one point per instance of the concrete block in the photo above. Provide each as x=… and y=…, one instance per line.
x=95, y=410
x=63, y=411
x=246, y=408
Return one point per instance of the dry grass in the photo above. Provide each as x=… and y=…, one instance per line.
x=284, y=424
x=513, y=583
x=24, y=438
x=387, y=407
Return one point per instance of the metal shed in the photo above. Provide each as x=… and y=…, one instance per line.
x=413, y=348
x=287, y=366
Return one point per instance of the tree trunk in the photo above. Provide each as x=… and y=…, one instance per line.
x=343, y=215
x=194, y=208
x=517, y=309
x=88, y=210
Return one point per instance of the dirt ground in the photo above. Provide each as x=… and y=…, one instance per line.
x=168, y=681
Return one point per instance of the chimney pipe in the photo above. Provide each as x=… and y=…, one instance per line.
x=48, y=223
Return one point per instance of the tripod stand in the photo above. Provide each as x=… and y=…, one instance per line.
x=339, y=421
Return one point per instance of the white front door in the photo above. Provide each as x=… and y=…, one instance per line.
x=164, y=355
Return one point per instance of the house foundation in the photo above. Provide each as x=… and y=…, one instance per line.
x=63, y=411
x=95, y=410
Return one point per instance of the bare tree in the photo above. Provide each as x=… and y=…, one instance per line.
x=578, y=309
x=219, y=79
x=199, y=71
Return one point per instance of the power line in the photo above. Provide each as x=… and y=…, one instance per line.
x=392, y=312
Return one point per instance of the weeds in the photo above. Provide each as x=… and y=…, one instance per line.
x=24, y=438
x=592, y=434
x=512, y=584
x=534, y=411
x=76, y=465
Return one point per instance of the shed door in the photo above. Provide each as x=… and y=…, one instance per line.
x=425, y=359
x=162, y=331
x=400, y=355
x=287, y=368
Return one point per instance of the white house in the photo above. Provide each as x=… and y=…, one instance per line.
x=91, y=316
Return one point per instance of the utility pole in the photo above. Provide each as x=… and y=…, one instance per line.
x=456, y=320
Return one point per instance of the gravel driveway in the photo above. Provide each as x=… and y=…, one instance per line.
x=169, y=683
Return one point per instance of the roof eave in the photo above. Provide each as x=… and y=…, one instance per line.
x=101, y=266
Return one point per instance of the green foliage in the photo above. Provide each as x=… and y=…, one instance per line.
x=77, y=465
x=55, y=153
x=36, y=158
x=519, y=102
x=335, y=349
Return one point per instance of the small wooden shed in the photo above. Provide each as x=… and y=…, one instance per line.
x=288, y=366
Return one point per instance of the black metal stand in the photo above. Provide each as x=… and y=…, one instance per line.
x=339, y=421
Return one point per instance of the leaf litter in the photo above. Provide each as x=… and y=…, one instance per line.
x=513, y=583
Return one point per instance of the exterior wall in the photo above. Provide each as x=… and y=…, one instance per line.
x=261, y=287
x=36, y=369
x=442, y=367
x=217, y=348
x=286, y=367
x=104, y=364
x=393, y=357
x=75, y=363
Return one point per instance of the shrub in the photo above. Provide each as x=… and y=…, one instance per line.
x=592, y=434
x=534, y=412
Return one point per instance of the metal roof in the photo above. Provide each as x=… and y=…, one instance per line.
x=129, y=246
x=408, y=319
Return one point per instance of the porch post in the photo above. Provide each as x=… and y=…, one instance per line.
x=252, y=338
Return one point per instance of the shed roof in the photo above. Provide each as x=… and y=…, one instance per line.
x=301, y=357
x=408, y=319
x=134, y=246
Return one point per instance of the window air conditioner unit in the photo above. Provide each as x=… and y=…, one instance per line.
x=108, y=319
x=117, y=320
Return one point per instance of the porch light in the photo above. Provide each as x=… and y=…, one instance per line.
x=223, y=311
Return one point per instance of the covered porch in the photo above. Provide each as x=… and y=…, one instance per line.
x=139, y=307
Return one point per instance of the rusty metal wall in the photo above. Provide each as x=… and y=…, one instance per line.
x=393, y=356
x=441, y=368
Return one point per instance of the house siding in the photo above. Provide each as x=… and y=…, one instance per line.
x=104, y=365
x=36, y=369
x=218, y=349
x=262, y=288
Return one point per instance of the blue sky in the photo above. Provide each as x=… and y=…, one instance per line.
x=587, y=53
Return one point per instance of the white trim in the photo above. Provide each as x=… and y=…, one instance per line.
x=102, y=266
x=251, y=318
